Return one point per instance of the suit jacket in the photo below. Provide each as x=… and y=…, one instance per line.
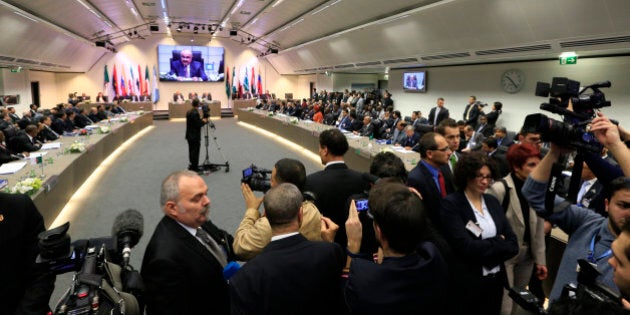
x=291, y=275
x=21, y=143
x=80, y=121
x=332, y=187
x=493, y=116
x=594, y=199
x=410, y=141
x=474, y=143
x=400, y=285
x=6, y=156
x=47, y=134
x=500, y=160
x=472, y=116
x=14, y=117
x=193, y=125
x=180, y=274
x=473, y=252
x=196, y=70
x=25, y=289
x=421, y=179
x=443, y=114
x=367, y=130
x=486, y=130
x=514, y=215
x=25, y=121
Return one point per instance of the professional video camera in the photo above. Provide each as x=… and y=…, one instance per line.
x=205, y=109
x=577, y=108
x=104, y=282
x=587, y=297
x=257, y=178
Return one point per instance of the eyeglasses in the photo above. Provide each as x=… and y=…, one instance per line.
x=482, y=177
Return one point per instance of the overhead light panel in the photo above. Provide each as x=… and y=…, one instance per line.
x=277, y=3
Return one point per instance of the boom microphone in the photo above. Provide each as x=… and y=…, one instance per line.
x=127, y=231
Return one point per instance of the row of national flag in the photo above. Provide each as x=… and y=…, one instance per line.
x=131, y=82
x=237, y=87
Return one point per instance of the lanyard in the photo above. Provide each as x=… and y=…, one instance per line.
x=591, y=254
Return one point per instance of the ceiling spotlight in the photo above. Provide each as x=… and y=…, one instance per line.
x=203, y=27
x=188, y=26
x=135, y=32
x=221, y=28
x=169, y=25
x=179, y=28
x=130, y=34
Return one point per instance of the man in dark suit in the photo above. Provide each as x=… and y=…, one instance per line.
x=292, y=273
x=333, y=185
x=410, y=262
x=500, y=133
x=438, y=113
x=26, y=288
x=425, y=177
x=484, y=128
x=25, y=140
x=45, y=132
x=410, y=139
x=471, y=112
x=183, y=264
x=368, y=128
x=81, y=119
x=449, y=129
x=13, y=115
x=27, y=119
x=194, y=122
x=496, y=154
x=6, y=155
x=185, y=69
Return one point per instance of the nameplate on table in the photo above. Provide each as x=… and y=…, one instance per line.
x=11, y=168
x=51, y=146
x=32, y=157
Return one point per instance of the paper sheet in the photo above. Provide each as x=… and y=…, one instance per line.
x=11, y=168
x=51, y=145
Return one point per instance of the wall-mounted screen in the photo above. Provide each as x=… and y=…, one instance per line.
x=191, y=63
x=10, y=99
x=415, y=81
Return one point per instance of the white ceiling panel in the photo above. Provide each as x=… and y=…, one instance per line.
x=319, y=34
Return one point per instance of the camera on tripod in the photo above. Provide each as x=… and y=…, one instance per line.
x=257, y=178
x=205, y=109
x=576, y=106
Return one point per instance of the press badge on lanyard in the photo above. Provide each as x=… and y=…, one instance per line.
x=591, y=255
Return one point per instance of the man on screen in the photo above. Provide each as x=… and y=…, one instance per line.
x=186, y=69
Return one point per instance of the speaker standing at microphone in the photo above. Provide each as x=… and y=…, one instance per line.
x=194, y=122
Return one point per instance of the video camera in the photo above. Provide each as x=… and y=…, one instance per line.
x=205, y=109
x=588, y=296
x=577, y=109
x=104, y=282
x=257, y=178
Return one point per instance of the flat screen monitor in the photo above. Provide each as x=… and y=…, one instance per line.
x=415, y=81
x=191, y=63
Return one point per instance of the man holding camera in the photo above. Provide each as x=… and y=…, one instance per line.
x=254, y=232
x=590, y=234
x=194, y=122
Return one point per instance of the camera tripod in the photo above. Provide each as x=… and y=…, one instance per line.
x=206, y=165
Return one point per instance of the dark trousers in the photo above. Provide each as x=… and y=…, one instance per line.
x=193, y=153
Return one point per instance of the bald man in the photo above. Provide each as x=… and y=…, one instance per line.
x=185, y=69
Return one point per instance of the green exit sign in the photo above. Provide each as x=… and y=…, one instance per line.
x=569, y=60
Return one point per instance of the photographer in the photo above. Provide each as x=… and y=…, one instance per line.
x=400, y=226
x=254, y=232
x=590, y=234
x=194, y=122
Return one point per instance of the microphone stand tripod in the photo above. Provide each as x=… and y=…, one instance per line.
x=206, y=166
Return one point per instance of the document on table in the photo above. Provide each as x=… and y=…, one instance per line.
x=11, y=168
x=51, y=145
x=401, y=149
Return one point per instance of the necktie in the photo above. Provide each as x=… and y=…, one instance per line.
x=442, y=184
x=585, y=186
x=435, y=119
x=54, y=133
x=452, y=160
x=214, y=248
x=188, y=71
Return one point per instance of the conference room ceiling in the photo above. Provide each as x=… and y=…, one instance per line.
x=319, y=35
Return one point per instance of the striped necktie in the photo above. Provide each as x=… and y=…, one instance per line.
x=212, y=246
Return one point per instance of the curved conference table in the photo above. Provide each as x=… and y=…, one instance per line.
x=68, y=171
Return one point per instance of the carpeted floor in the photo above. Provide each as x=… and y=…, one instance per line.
x=134, y=180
